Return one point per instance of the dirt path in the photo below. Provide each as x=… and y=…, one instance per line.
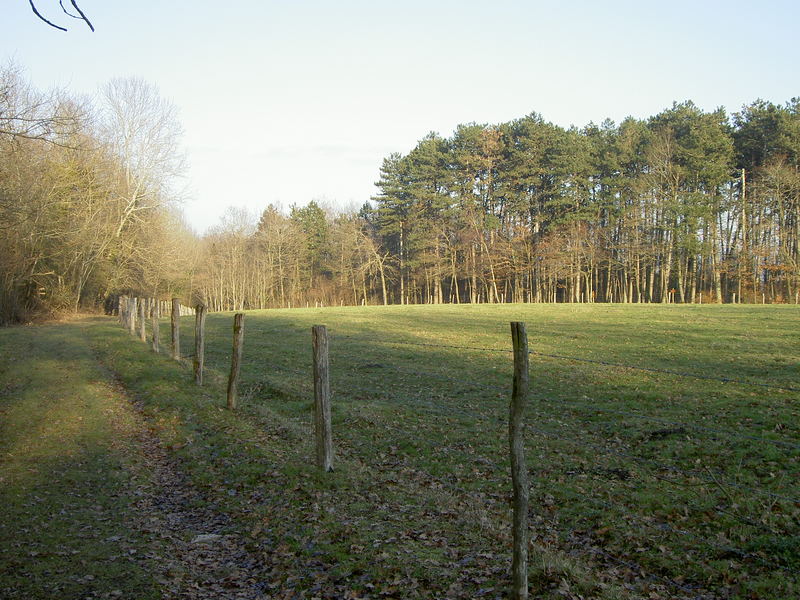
x=196, y=554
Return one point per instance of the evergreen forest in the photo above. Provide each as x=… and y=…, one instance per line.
x=685, y=206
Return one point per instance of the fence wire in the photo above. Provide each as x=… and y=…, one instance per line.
x=703, y=428
x=647, y=469
x=589, y=361
x=667, y=372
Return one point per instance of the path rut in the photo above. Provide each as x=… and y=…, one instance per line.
x=197, y=553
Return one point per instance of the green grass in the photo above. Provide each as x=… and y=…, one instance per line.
x=643, y=483
x=430, y=416
x=65, y=480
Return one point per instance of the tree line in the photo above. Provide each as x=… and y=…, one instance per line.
x=685, y=206
x=86, y=196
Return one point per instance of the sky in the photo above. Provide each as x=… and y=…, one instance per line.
x=284, y=102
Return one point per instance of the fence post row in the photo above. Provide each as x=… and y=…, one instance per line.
x=322, y=406
x=519, y=470
x=236, y=358
x=132, y=313
x=322, y=398
x=199, y=342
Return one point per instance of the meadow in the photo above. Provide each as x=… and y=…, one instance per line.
x=663, y=444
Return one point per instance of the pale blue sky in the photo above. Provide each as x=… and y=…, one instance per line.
x=283, y=102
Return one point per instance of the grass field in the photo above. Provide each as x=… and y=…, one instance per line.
x=66, y=481
x=659, y=483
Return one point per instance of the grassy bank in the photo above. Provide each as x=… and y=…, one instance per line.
x=67, y=476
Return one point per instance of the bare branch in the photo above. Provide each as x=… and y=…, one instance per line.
x=83, y=16
x=80, y=16
x=66, y=12
x=36, y=12
x=39, y=138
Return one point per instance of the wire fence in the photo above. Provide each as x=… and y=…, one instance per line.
x=648, y=468
x=570, y=427
x=645, y=468
x=597, y=362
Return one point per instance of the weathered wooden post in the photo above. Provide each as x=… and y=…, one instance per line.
x=154, y=314
x=199, y=342
x=132, y=316
x=322, y=398
x=519, y=470
x=142, y=320
x=123, y=300
x=236, y=359
x=176, y=328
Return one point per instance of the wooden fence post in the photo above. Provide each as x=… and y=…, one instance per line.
x=123, y=306
x=236, y=359
x=154, y=314
x=322, y=398
x=176, y=329
x=199, y=342
x=132, y=316
x=519, y=470
x=142, y=320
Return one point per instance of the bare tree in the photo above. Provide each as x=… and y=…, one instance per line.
x=143, y=132
x=26, y=113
